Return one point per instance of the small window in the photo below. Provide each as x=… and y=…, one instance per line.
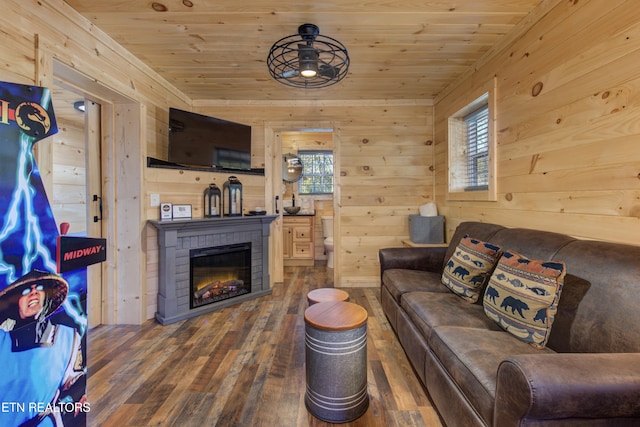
x=471, y=142
x=317, y=172
x=477, y=124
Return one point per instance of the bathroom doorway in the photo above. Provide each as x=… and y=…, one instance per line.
x=291, y=138
x=314, y=192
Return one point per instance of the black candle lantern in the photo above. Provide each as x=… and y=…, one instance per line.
x=232, y=197
x=212, y=201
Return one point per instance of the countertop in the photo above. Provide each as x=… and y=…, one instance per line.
x=301, y=213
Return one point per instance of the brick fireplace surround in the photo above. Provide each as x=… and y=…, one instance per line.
x=176, y=238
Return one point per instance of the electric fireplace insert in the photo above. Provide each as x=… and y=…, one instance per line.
x=220, y=272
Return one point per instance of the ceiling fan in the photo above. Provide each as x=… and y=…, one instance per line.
x=308, y=59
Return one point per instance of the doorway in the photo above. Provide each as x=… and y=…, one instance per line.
x=72, y=177
x=115, y=127
x=278, y=139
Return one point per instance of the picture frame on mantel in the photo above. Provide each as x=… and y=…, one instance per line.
x=166, y=212
x=181, y=211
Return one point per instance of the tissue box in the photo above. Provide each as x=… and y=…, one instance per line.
x=426, y=229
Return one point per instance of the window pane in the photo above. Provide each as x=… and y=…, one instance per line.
x=481, y=171
x=317, y=172
x=477, y=124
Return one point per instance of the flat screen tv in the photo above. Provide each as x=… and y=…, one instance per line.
x=202, y=141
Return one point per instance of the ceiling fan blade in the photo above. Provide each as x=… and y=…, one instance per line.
x=289, y=73
x=328, y=71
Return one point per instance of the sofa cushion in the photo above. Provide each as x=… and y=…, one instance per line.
x=479, y=230
x=522, y=296
x=429, y=310
x=399, y=281
x=471, y=357
x=469, y=267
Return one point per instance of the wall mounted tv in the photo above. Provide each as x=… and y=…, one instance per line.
x=202, y=141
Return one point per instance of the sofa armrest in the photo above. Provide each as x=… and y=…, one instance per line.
x=567, y=385
x=427, y=259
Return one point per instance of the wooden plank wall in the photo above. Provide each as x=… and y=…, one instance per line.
x=568, y=157
x=386, y=173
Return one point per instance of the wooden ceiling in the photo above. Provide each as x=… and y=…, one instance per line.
x=217, y=49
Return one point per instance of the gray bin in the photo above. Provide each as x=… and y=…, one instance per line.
x=426, y=229
x=336, y=369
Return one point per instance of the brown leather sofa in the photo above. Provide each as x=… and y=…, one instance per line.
x=479, y=375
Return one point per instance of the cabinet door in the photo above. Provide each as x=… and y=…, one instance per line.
x=287, y=234
x=298, y=240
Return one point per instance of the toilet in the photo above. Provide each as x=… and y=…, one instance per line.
x=327, y=234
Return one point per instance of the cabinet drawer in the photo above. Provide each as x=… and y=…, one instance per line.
x=301, y=234
x=302, y=250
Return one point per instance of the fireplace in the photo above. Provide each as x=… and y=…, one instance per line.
x=219, y=272
x=178, y=240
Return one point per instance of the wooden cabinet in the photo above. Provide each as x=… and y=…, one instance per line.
x=298, y=240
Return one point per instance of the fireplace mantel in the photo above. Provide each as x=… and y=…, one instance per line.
x=177, y=237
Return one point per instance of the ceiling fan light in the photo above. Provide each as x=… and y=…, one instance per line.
x=79, y=105
x=308, y=72
x=308, y=59
x=308, y=62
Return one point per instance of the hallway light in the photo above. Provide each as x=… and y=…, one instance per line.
x=79, y=105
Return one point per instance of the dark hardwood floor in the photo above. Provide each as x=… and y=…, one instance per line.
x=242, y=366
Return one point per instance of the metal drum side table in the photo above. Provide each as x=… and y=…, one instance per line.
x=326, y=294
x=336, y=361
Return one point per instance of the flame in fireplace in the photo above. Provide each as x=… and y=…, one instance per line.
x=221, y=277
x=217, y=287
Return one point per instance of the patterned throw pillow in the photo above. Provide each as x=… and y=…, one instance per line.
x=522, y=296
x=469, y=267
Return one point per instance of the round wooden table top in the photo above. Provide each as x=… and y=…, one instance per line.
x=335, y=316
x=326, y=294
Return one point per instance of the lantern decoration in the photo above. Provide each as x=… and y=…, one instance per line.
x=212, y=201
x=232, y=197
